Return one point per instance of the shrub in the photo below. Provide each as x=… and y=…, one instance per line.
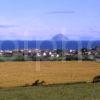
x=38, y=83
x=19, y=58
x=96, y=79
x=72, y=57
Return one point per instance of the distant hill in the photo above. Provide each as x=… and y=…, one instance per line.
x=60, y=37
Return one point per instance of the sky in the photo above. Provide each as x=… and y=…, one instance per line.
x=43, y=19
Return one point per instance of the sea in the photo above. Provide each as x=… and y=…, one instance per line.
x=47, y=45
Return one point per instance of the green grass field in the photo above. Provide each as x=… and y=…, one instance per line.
x=58, y=92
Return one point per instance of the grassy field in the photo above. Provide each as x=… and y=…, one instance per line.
x=61, y=92
x=20, y=73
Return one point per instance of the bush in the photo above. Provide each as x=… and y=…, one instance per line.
x=38, y=83
x=96, y=79
x=19, y=58
x=72, y=57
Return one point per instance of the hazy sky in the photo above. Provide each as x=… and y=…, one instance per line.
x=42, y=19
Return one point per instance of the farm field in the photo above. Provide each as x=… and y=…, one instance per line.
x=14, y=74
x=61, y=92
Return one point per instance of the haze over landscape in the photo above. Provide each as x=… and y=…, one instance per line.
x=43, y=19
x=50, y=49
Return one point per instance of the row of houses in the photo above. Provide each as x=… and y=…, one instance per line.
x=51, y=53
x=32, y=52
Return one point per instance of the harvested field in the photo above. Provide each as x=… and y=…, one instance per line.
x=20, y=73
